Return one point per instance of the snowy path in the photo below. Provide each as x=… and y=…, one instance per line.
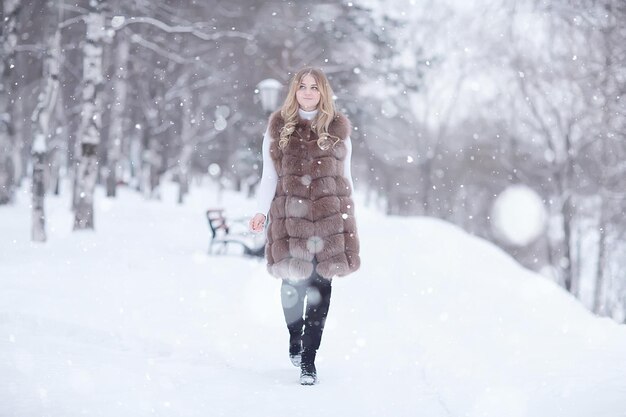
x=136, y=320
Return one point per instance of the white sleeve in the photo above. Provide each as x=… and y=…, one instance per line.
x=269, y=179
x=347, y=172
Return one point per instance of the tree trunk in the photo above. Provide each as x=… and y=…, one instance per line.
x=607, y=159
x=20, y=158
x=89, y=137
x=599, y=306
x=566, y=256
x=59, y=147
x=155, y=170
x=566, y=189
x=151, y=160
x=8, y=42
x=187, y=145
x=426, y=170
x=578, y=242
x=38, y=229
x=41, y=118
x=118, y=112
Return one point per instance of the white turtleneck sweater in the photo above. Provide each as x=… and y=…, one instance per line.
x=269, y=177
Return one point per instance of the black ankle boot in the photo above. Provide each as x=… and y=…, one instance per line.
x=295, y=341
x=308, y=373
x=295, y=350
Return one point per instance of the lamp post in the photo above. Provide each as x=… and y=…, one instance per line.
x=268, y=90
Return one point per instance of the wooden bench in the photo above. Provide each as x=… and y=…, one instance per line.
x=235, y=231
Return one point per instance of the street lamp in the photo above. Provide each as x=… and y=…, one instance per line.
x=268, y=90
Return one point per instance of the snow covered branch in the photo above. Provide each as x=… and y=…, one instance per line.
x=184, y=29
x=139, y=40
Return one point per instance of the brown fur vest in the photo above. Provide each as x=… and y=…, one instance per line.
x=312, y=213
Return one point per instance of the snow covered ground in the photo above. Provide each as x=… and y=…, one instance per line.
x=136, y=319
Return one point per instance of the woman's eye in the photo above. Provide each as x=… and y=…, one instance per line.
x=314, y=88
x=301, y=87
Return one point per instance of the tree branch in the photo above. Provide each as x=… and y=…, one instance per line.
x=184, y=29
x=71, y=21
x=139, y=40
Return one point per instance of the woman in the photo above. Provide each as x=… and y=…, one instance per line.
x=306, y=189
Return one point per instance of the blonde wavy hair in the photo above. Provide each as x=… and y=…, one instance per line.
x=325, y=110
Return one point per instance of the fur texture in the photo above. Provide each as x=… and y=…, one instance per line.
x=312, y=214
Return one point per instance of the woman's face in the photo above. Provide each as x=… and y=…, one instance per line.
x=308, y=94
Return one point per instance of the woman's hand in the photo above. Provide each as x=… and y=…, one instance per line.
x=257, y=223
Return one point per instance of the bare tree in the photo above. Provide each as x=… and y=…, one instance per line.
x=553, y=118
x=42, y=116
x=118, y=113
x=606, y=19
x=87, y=169
x=8, y=42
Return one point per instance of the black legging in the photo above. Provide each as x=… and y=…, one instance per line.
x=317, y=291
